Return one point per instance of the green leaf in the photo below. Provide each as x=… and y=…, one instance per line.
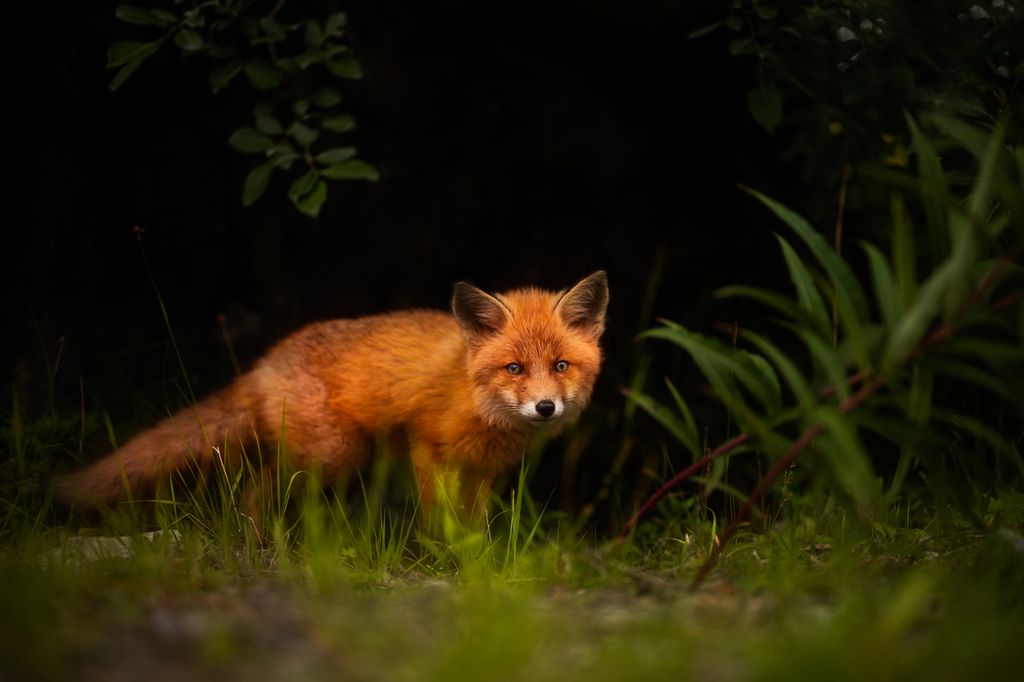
x=285, y=159
x=309, y=58
x=326, y=97
x=314, y=36
x=300, y=107
x=351, y=170
x=754, y=424
x=268, y=125
x=984, y=349
x=790, y=372
x=347, y=67
x=967, y=244
x=806, y=292
x=261, y=74
x=904, y=256
x=688, y=421
x=720, y=363
x=221, y=75
x=765, y=104
x=970, y=374
x=934, y=190
x=141, y=16
x=308, y=193
x=249, y=140
x=336, y=155
x=661, y=414
x=302, y=186
x=339, y=124
x=188, y=40
x=335, y=23
x=847, y=290
x=886, y=293
x=129, y=52
x=826, y=359
x=282, y=149
x=122, y=75
x=846, y=457
x=272, y=29
x=255, y=182
x=911, y=326
x=783, y=304
x=705, y=30
x=302, y=133
x=767, y=373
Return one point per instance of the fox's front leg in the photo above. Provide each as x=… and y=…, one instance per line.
x=461, y=490
x=433, y=481
x=475, y=493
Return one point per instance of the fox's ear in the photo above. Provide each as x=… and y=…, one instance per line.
x=476, y=311
x=585, y=304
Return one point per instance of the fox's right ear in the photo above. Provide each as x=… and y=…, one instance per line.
x=477, y=311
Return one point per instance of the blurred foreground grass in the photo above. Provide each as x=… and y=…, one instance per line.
x=814, y=599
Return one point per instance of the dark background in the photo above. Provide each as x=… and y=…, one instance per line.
x=518, y=143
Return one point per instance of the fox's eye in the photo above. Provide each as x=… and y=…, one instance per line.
x=561, y=366
x=513, y=368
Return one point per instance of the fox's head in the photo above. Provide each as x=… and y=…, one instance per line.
x=533, y=354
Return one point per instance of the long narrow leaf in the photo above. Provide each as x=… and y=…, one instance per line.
x=886, y=293
x=934, y=191
x=826, y=358
x=846, y=457
x=787, y=368
x=846, y=286
x=688, y=421
x=720, y=363
x=664, y=416
x=904, y=256
x=806, y=293
x=910, y=328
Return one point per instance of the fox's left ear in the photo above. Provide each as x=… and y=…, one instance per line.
x=476, y=311
x=585, y=304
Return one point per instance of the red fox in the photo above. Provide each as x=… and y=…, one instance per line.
x=467, y=392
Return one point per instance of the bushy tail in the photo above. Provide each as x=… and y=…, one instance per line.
x=178, y=443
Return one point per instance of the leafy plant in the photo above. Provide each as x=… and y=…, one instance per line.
x=832, y=78
x=293, y=67
x=928, y=328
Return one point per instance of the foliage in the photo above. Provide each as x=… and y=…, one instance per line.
x=874, y=377
x=293, y=68
x=832, y=78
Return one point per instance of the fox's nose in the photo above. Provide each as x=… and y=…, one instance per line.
x=545, y=408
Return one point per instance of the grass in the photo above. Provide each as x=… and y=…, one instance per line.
x=346, y=585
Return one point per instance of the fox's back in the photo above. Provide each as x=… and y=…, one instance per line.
x=378, y=370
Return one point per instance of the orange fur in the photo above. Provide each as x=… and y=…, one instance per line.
x=442, y=381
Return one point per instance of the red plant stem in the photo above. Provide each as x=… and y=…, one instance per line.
x=654, y=499
x=724, y=448
x=781, y=464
